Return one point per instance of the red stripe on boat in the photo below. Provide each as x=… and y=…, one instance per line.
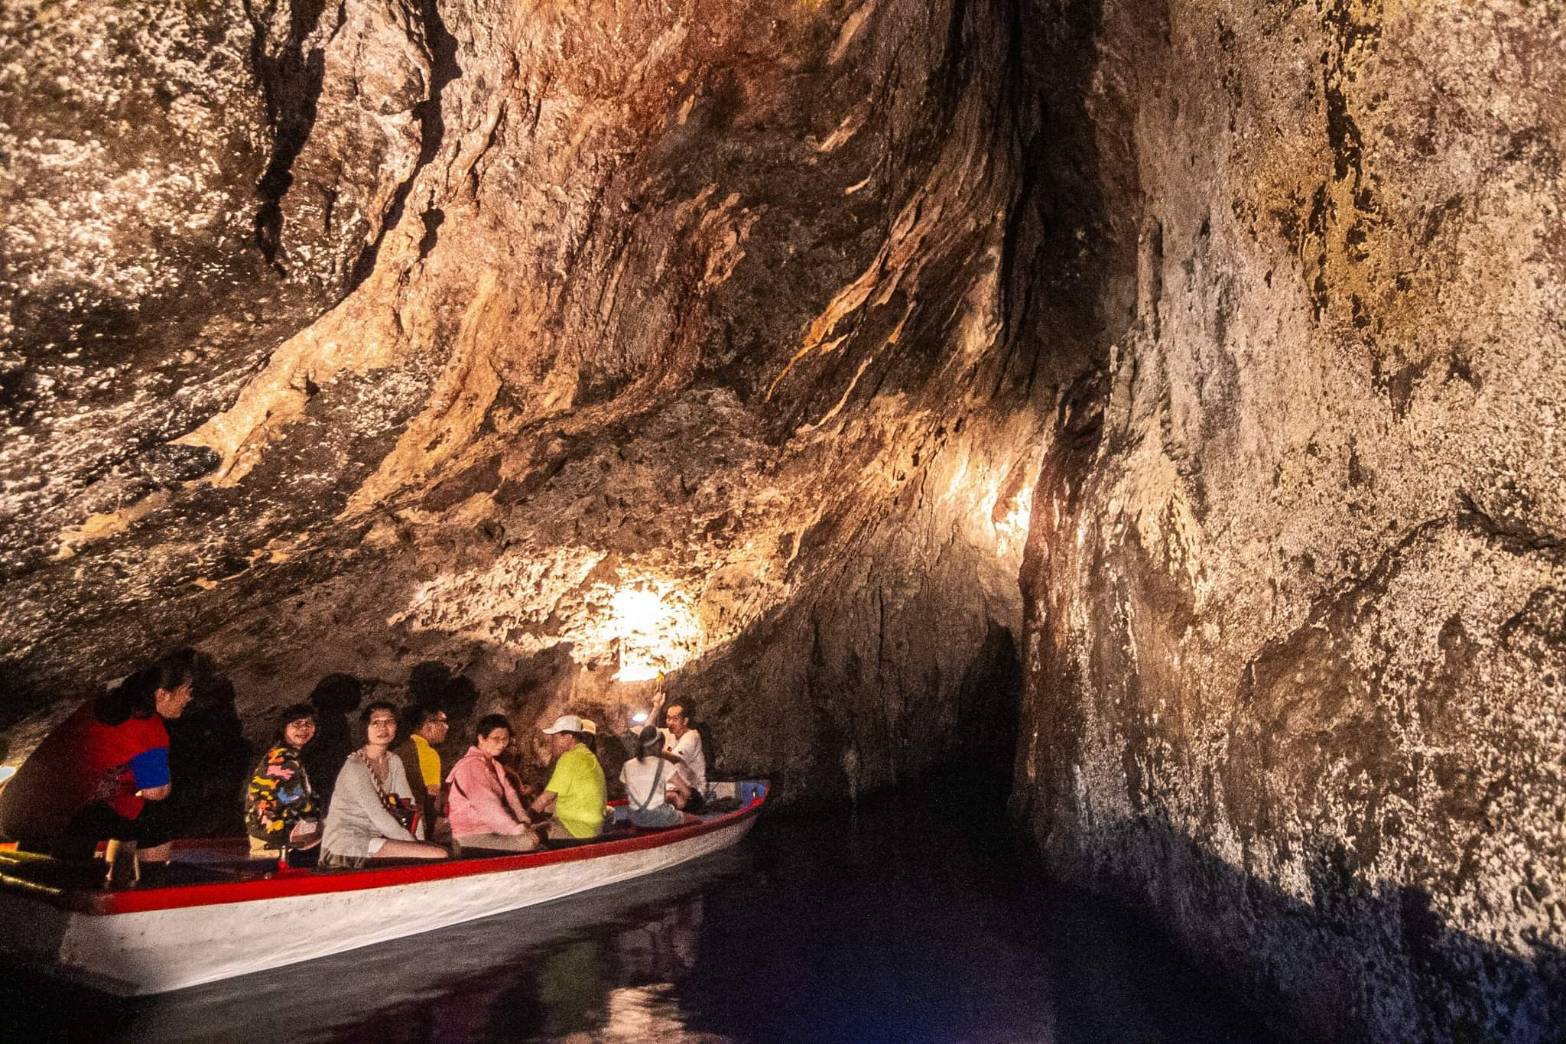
x=287, y=883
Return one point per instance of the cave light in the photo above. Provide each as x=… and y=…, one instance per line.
x=1011, y=529
x=990, y=500
x=6, y=772
x=634, y=669
x=652, y=632
x=1008, y=520
x=636, y=610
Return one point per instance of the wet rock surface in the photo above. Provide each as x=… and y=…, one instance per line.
x=537, y=345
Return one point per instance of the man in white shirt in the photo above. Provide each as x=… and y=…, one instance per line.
x=683, y=751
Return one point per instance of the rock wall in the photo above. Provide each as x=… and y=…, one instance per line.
x=1296, y=581
x=535, y=341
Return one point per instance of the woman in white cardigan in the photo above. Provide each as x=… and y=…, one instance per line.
x=372, y=802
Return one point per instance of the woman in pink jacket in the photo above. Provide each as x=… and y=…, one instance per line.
x=484, y=808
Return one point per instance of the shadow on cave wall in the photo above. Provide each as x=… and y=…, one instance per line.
x=1458, y=987
x=1069, y=259
x=209, y=762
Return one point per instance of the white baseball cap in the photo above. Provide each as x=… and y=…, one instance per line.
x=565, y=723
x=590, y=726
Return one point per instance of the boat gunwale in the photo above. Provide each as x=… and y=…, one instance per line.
x=293, y=883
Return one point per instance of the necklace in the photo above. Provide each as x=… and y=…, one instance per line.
x=377, y=766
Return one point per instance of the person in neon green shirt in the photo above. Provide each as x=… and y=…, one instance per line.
x=574, y=796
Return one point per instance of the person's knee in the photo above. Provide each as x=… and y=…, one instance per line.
x=409, y=850
x=417, y=850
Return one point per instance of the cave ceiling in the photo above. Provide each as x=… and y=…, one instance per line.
x=344, y=338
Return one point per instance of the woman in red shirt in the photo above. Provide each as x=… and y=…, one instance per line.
x=90, y=779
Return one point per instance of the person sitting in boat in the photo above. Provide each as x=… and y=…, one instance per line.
x=281, y=807
x=373, y=814
x=574, y=796
x=649, y=779
x=684, y=752
x=483, y=805
x=421, y=761
x=91, y=778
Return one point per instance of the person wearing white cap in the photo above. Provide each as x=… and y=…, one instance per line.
x=574, y=796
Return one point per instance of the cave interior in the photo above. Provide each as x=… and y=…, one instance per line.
x=1157, y=400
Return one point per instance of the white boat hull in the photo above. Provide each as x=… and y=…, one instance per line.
x=155, y=951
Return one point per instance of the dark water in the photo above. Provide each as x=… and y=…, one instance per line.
x=908, y=921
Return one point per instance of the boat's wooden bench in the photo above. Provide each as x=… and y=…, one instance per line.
x=618, y=833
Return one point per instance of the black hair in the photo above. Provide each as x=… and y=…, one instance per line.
x=292, y=713
x=369, y=711
x=138, y=695
x=647, y=739
x=420, y=715
x=489, y=723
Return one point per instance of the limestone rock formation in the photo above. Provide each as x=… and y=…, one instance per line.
x=495, y=319
x=1297, y=574
x=1174, y=386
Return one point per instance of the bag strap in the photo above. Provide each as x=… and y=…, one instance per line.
x=643, y=805
x=380, y=791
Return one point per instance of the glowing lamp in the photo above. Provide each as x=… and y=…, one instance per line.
x=631, y=671
x=637, y=611
x=650, y=630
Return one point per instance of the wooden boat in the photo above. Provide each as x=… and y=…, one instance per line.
x=228, y=915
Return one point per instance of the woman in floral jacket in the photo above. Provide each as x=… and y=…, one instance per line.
x=280, y=805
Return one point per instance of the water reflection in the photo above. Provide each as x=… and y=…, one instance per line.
x=912, y=921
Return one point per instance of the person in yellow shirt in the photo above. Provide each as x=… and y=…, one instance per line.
x=421, y=761
x=574, y=796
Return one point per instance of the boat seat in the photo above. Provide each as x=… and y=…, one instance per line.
x=469, y=852
x=616, y=834
x=374, y=864
x=173, y=873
